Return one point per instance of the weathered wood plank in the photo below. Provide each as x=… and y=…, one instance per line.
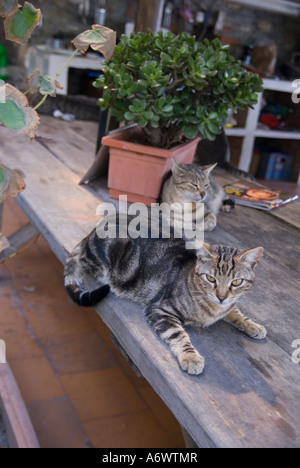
x=289, y=213
x=87, y=129
x=74, y=149
x=279, y=239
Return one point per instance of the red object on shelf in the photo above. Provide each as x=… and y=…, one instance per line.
x=270, y=120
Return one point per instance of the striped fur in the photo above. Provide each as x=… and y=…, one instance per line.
x=176, y=286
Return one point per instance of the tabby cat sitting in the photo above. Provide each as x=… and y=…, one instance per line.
x=194, y=184
x=176, y=286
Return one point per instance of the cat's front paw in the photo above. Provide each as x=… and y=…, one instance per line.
x=210, y=222
x=256, y=331
x=191, y=362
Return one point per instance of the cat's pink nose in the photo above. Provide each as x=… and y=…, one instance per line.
x=221, y=298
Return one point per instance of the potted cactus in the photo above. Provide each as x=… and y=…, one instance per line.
x=176, y=90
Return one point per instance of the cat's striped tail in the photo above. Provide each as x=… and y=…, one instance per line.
x=73, y=281
x=87, y=298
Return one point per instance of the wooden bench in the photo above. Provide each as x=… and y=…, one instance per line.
x=248, y=395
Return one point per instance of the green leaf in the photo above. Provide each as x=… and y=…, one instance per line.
x=211, y=63
x=15, y=113
x=20, y=25
x=48, y=85
x=166, y=58
x=142, y=122
x=43, y=83
x=148, y=115
x=128, y=116
x=11, y=116
x=159, y=44
x=213, y=128
x=190, y=131
x=168, y=108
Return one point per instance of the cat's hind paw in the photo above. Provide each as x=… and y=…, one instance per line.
x=191, y=362
x=228, y=205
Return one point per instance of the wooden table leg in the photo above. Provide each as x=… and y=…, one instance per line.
x=13, y=244
x=189, y=442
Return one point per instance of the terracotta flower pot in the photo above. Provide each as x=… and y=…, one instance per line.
x=137, y=170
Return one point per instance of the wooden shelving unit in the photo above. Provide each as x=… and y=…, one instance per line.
x=251, y=131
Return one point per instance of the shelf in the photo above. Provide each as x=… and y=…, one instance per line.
x=279, y=6
x=238, y=132
x=278, y=134
x=251, y=131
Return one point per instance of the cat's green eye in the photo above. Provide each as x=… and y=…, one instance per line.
x=211, y=279
x=237, y=282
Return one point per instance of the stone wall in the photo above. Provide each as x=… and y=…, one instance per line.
x=60, y=17
x=265, y=28
x=242, y=23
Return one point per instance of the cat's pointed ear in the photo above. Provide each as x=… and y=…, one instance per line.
x=209, y=168
x=204, y=249
x=176, y=166
x=251, y=256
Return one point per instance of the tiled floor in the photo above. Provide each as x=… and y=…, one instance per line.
x=79, y=390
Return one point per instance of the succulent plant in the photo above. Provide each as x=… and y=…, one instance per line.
x=174, y=87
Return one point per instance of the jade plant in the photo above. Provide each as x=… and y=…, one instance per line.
x=174, y=87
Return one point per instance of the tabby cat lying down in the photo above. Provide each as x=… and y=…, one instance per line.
x=176, y=286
